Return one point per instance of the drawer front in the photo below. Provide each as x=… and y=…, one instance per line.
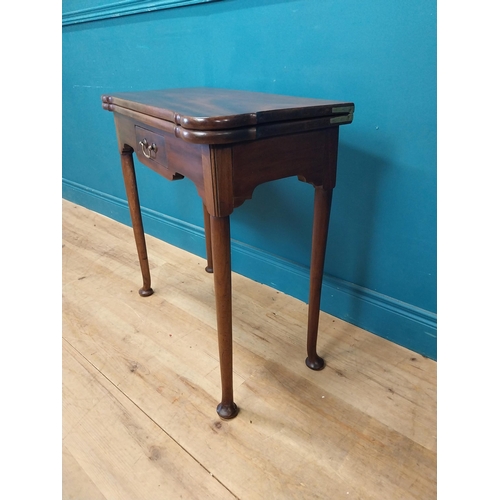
x=170, y=157
x=150, y=148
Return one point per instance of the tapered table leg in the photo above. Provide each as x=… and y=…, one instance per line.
x=208, y=240
x=221, y=244
x=322, y=206
x=135, y=214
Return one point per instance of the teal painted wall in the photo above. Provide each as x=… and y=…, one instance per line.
x=381, y=256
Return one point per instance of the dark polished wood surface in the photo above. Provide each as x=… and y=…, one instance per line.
x=227, y=142
x=209, y=108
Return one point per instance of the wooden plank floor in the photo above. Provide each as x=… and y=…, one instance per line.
x=141, y=382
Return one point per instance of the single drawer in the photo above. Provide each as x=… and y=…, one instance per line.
x=150, y=148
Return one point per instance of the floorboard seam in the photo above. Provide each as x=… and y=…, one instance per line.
x=150, y=418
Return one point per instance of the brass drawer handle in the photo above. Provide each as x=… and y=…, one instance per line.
x=147, y=149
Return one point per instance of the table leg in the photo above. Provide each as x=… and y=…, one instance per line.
x=208, y=240
x=322, y=206
x=221, y=242
x=135, y=214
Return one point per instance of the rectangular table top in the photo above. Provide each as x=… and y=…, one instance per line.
x=210, y=109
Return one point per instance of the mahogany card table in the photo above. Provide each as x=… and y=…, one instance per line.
x=227, y=142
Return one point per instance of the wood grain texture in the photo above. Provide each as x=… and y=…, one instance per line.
x=130, y=181
x=322, y=206
x=206, y=108
x=205, y=115
x=311, y=156
x=141, y=381
x=115, y=440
